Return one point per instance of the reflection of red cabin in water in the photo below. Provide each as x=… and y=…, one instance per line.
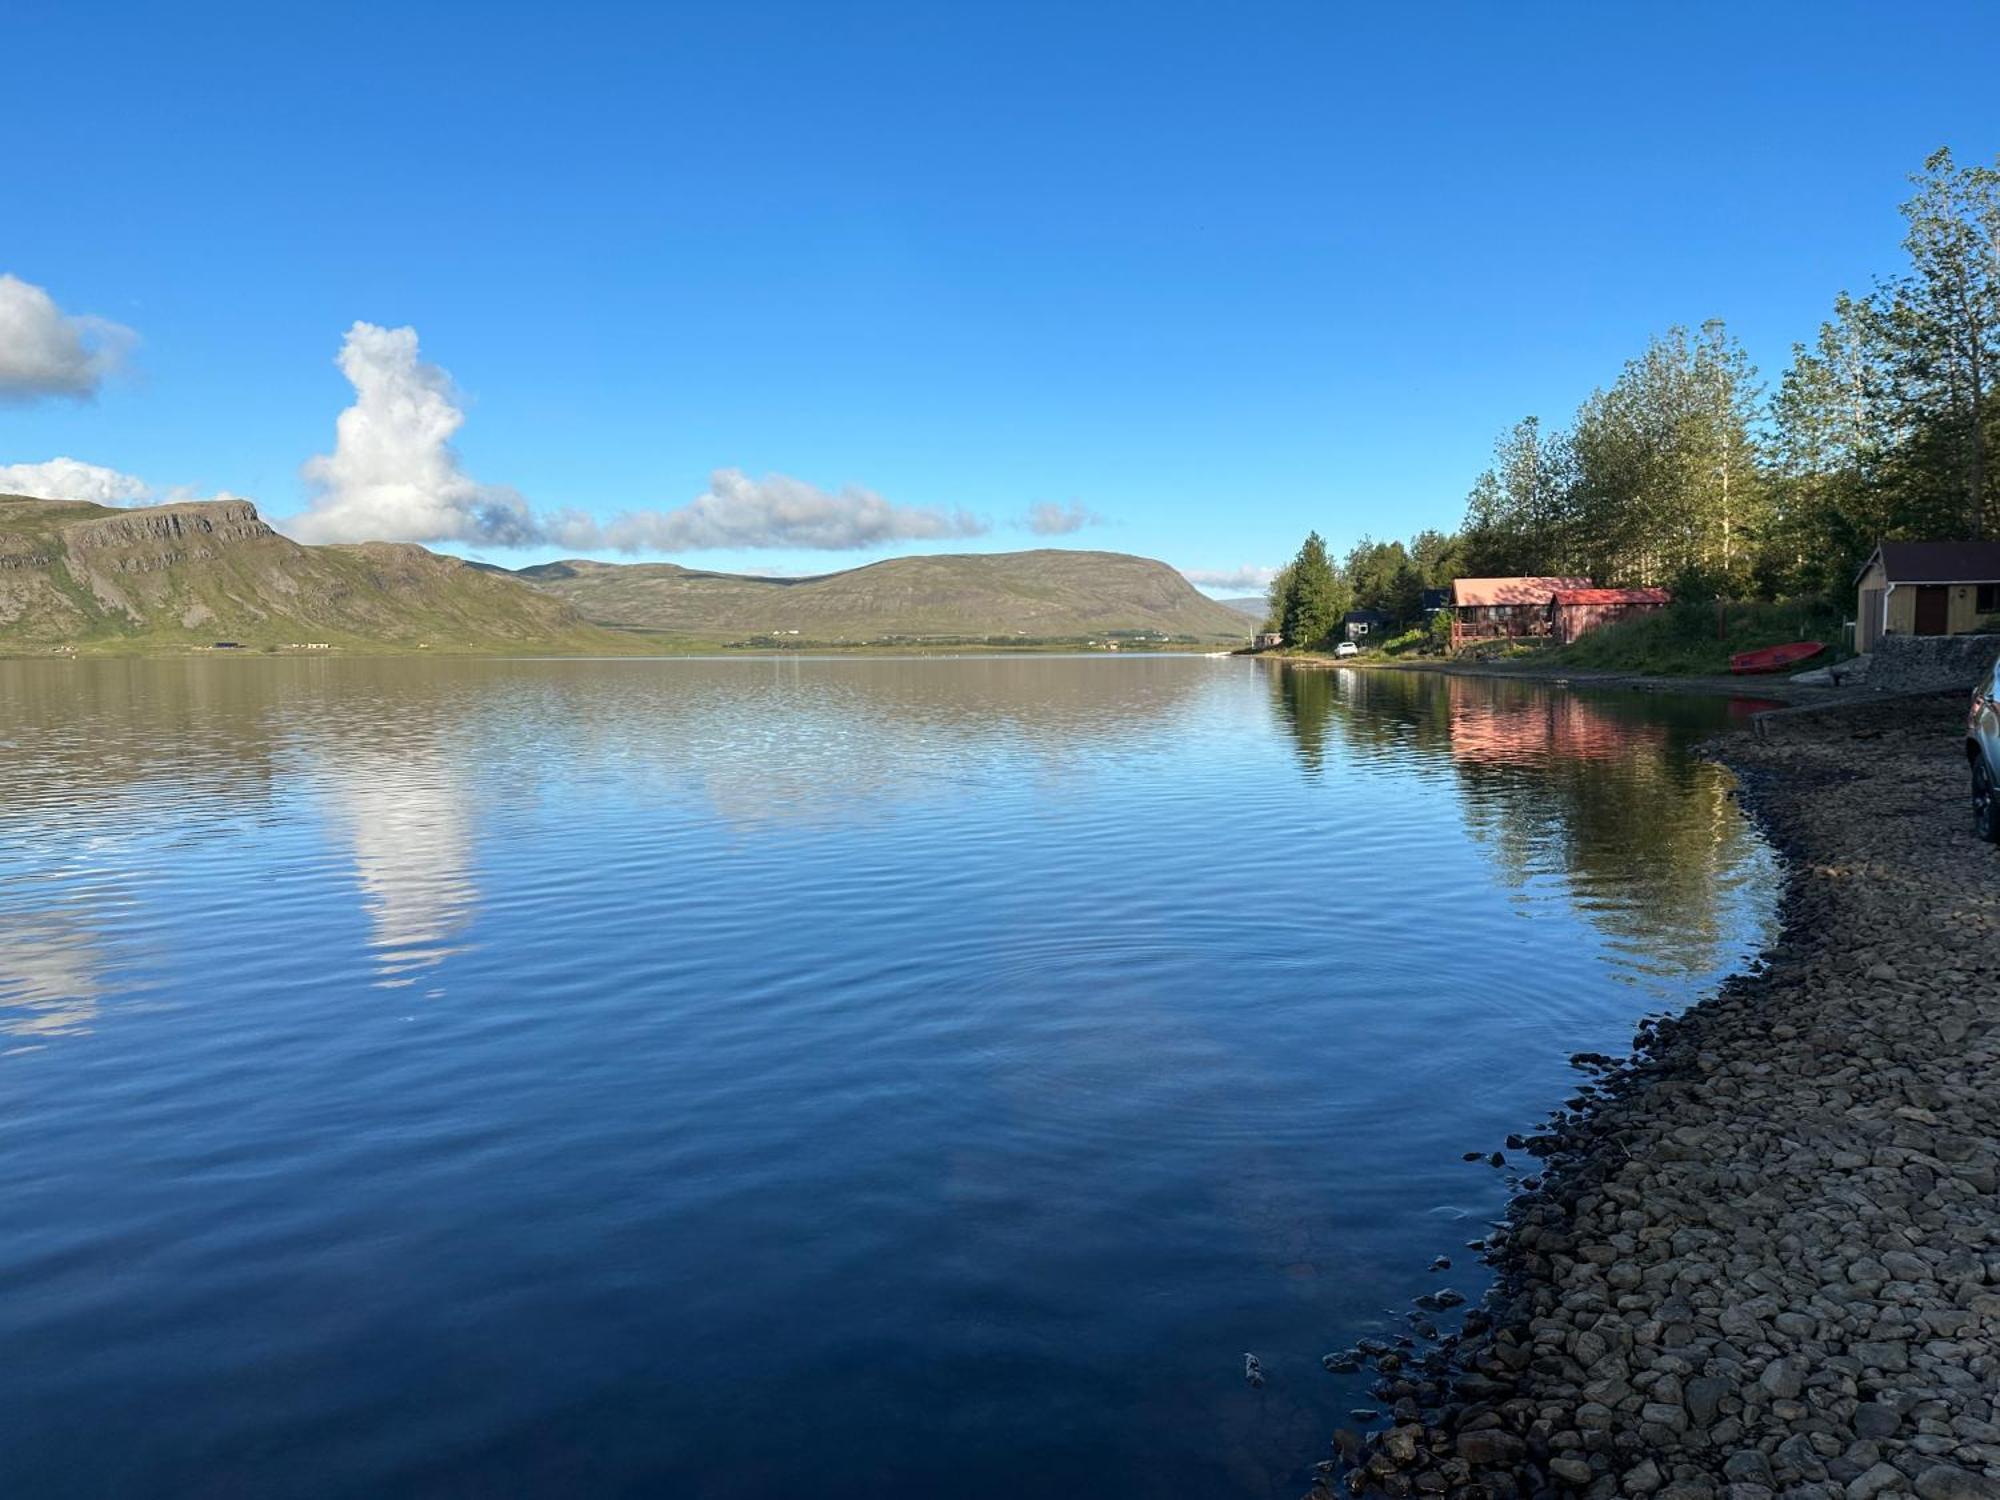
x=1554, y=727
x=1575, y=611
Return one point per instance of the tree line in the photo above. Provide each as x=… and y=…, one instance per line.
x=1688, y=471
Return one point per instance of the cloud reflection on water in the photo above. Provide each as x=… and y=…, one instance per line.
x=410, y=823
x=49, y=974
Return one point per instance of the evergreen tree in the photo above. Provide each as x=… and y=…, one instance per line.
x=1313, y=597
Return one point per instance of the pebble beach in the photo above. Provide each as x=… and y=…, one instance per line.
x=1761, y=1255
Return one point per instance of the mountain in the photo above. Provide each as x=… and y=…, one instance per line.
x=1256, y=606
x=1050, y=594
x=73, y=573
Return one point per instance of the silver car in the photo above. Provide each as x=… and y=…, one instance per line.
x=1982, y=749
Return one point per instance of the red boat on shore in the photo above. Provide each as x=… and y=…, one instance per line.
x=1775, y=658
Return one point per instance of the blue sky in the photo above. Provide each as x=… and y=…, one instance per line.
x=1215, y=274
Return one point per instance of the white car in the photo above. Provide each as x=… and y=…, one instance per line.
x=1347, y=648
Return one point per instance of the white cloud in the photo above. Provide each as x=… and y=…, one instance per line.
x=45, y=351
x=72, y=479
x=775, y=511
x=1246, y=577
x=1048, y=519
x=393, y=476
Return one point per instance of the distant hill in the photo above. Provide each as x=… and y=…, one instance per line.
x=1256, y=607
x=72, y=573
x=1050, y=594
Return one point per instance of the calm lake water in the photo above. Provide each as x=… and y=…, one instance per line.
x=763, y=1077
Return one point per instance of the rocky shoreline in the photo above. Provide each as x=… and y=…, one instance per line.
x=1763, y=1254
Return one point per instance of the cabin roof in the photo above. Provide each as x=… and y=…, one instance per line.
x=1488, y=591
x=1613, y=596
x=1938, y=562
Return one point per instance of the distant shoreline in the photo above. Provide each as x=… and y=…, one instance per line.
x=641, y=650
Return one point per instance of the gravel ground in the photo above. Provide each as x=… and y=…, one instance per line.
x=1764, y=1254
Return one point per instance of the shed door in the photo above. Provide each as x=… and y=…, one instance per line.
x=1933, y=610
x=1868, y=622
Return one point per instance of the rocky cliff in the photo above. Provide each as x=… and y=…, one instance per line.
x=73, y=573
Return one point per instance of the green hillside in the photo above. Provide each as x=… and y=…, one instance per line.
x=1045, y=595
x=73, y=574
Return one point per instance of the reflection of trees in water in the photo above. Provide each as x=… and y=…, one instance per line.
x=1600, y=789
x=1304, y=701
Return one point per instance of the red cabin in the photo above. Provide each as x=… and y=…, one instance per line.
x=1575, y=612
x=1504, y=609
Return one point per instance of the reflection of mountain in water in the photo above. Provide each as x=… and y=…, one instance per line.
x=782, y=740
x=1601, y=790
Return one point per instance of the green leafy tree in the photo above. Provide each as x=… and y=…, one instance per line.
x=1942, y=322
x=1667, y=481
x=1830, y=432
x=1517, y=518
x=1275, y=597
x=1437, y=557
x=1381, y=576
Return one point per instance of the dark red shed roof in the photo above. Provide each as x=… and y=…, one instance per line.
x=1613, y=596
x=1940, y=562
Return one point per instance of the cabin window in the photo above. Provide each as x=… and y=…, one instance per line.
x=1989, y=598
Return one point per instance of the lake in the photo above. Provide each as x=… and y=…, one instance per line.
x=726, y=1078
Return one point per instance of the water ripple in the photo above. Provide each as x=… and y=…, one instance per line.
x=528, y=1077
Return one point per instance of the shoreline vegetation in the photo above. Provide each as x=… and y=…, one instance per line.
x=1761, y=1255
x=1686, y=472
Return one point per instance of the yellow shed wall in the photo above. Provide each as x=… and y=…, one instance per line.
x=1903, y=611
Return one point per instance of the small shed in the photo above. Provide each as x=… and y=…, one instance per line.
x=1267, y=640
x=1502, y=609
x=1576, y=612
x=1926, y=588
x=1359, y=624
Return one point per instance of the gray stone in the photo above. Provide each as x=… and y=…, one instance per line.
x=1876, y=1419
x=1872, y=1482
x=1949, y=1482
x=1747, y=1466
x=1906, y=1266
x=1704, y=1396
x=1642, y=1478
x=1490, y=1446
x=1571, y=1471
x=1892, y=1357
x=1783, y=1378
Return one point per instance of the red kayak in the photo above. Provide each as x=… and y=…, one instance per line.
x=1775, y=658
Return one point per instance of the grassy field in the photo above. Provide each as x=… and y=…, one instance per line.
x=1696, y=638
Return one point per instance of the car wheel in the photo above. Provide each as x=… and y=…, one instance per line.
x=1985, y=803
